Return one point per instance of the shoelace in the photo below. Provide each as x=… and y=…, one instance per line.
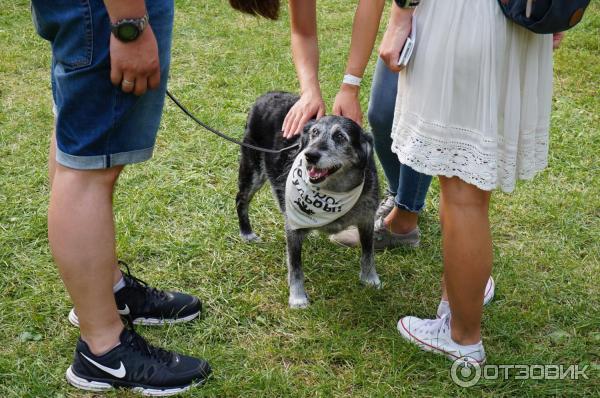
x=137, y=283
x=445, y=324
x=384, y=206
x=384, y=201
x=138, y=343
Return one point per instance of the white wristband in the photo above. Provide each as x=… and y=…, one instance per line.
x=351, y=79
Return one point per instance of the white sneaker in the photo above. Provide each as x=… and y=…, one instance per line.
x=434, y=335
x=488, y=296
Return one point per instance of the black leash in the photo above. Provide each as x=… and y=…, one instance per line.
x=224, y=136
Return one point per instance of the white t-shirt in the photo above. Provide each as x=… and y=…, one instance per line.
x=309, y=206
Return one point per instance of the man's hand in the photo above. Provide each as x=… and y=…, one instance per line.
x=398, y=29
x=135, y=65
x=347, y=103
x=310, y=105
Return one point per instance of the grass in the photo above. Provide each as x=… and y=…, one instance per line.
x=177, y=228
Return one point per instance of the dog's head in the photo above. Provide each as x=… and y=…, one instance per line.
x=335, y=148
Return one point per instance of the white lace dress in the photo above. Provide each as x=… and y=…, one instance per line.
x=475, y=100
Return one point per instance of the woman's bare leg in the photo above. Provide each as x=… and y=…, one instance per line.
x=467, y=246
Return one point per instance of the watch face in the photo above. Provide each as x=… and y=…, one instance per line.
x=128, y=32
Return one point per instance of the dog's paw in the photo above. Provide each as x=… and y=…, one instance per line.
x=298, y=301
x=250, y=238
x=371, y=280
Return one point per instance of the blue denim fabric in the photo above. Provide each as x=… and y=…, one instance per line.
x=409, y=187
x=97, y=125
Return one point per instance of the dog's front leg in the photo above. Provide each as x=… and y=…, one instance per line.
x=298, y=297
x=368, y=273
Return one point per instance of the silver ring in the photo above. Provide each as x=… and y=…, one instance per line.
x=127, y=82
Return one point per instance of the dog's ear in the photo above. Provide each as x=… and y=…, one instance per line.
x=366, y=143
x=304, y=138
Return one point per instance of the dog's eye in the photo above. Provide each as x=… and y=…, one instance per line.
x=339, y=137
x=314, y=132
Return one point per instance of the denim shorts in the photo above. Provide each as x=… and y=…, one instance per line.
x=98, y=125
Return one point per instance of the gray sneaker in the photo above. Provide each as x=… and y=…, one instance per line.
x=383, y=238
x=349, y=237
x=386, y=239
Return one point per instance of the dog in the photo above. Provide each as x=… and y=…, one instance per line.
x=328, y=183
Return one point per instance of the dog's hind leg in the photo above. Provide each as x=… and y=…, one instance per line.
x=368, y=273
x=251, y=178
x=298, y=297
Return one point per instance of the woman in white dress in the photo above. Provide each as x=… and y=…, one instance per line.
x=473, y=108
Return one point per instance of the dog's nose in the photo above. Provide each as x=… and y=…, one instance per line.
x=312, y=157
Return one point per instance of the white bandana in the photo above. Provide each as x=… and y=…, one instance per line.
x=309, y=206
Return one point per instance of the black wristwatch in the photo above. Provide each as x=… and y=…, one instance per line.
x=407, y=3
x=127, y=30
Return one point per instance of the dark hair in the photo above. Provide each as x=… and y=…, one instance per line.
x=265, y=8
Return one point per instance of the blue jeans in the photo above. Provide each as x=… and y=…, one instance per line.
x=408, y=186
x=98, y=125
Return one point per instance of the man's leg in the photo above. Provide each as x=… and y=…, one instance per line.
x=82, y=239
x=51, y=171
x=52, y=158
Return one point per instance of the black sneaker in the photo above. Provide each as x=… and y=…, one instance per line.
x=137, y=365
x=145, y=305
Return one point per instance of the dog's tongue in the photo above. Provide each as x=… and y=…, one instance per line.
x=316, y=173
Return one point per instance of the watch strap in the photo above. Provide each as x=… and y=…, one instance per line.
x=140, y=23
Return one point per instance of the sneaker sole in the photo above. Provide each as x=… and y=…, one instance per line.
x=427, y=347
x=408, y=245
x=74, y=320
x=98, y=386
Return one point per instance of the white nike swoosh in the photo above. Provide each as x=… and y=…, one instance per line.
x=118, y=373
x=124, y=311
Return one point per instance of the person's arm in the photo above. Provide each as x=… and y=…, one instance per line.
x=398, y=29
x=305, y=52
x=135, y=65
x=364, y=33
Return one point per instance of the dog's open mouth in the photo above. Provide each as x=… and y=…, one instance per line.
x=316, y=175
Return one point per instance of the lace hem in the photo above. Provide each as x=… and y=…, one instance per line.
x=434, y=149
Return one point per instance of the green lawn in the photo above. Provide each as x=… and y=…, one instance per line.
x=177, y=228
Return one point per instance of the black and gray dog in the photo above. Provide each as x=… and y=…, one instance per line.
x=338, y=158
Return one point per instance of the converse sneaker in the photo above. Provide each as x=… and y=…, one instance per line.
x=136, y=365
x=149, y=306
x=434, y=335
x=488, y=296
x=383, y=238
